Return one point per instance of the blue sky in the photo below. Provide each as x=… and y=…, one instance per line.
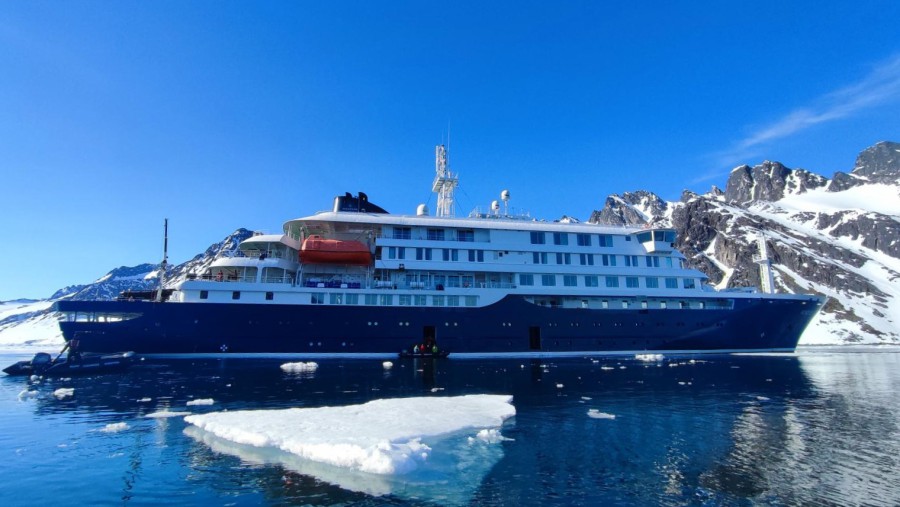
x=219, y=115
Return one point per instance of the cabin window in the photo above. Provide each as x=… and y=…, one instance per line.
x=402, y=233
x=352, y=299
x=204, y=294
x=583, y=239
x=684, y=304
x=335, y=299
x=539, y=257
x=651, y=282
x=371, y=299
x=526, y=279
x=612, y=281
x=662, y=304
x=644, y=237
x=671, y=283
x=605, y=240
x=570, y=281
x=643, y=304
x=420, y=300
x=608, y=260
x=452, y=300
x=387, y=299
x=604, y=304
x=587, y=259
x=270, y=296
x=318, y=298
x=632, y=282
x=624, y=303
x=537, y=238
x=560, y=238
x=465, y=235
x=689, y=283
x=435, y=234
x=564, y=258
x=236, y=294
x=437, y=300
x=548, y=280
x=631, y=260
x=392, y=252
x=405, y=300
x=471, y=300
x=591, y=281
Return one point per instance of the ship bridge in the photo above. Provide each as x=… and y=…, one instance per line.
x=656, y=239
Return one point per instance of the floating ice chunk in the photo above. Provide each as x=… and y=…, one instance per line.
x=586, y=398
x=300, y=367
x=436, y=389
x=387, y=365
x=491, y=436
x=145, y=400
x=114, y=427
x=64, y=392
x=762, y=398
x=596, y=414
x=35, y=378
x=607, y=368
x=649, y=357
x=26, y=393
x=201, y=401
x=559, y=386
x=381, y=437
x=163, y=414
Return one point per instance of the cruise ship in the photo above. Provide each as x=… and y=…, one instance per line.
x=358, y=280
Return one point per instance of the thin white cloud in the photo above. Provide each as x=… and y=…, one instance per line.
x=881, y=85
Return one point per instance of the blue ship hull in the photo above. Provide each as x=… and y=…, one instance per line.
x=510, y=326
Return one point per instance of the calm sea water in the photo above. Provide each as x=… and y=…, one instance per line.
x=817, y=428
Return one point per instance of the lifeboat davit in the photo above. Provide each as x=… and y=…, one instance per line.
x=318, y=250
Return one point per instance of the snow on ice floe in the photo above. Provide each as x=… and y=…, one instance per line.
x=64, y=392
x=387, y=365
x=596, y=414
x=649, y=357
x=27, y=393
x=201, y=401
x=300, y=367
x=380, y=437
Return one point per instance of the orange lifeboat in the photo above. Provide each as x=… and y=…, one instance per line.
x=318, y=250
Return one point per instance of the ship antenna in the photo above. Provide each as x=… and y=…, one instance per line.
x=165, y=261
x=444, y=182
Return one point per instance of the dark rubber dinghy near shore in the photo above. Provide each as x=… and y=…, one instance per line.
x=74, y=364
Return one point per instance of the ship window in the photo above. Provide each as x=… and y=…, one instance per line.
x=437, y=300
x=583, y=239
x=453, y=281
x=548, y=280
x=387, y=299
x=560, y=238
x=659, y=236
x=631, y=260
x=537, y=238
x=401, y=253
x=392, y=252
x=427, y=254
x=420, y=254
x=465, y=235
x=643, y=304
x=609, y=260
x=452, y=300
x=605, y=240
x=651, y=282
x=402, y=233
x=236, y=294
x=526, y=279
x=662, y=304
x=204, y=294
x=587, y=259
x=701, y=305
x=671, y=283
x=570, y=281
x=335, y=298
x=644, y=237
x=689, y=283
x=624, y=303
x=405, y=300
x=471, y=300
x=539, y=257
x=435, y=234
x=371, y=299
x=270, y=296
x=564, y=258
x=684, y=304
x=352, y=299
x=612, y=281
x=591, y=281
x=378, y=253
x=632, y=282
x=420, y=300
x=604, y=304
x=318, y=298
x=668, y=262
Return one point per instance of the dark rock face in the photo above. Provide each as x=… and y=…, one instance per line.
x=630, y=208
x=879, y=163
x=769, y=181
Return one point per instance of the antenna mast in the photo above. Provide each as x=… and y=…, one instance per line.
x=165, y=261
x=766, y=279
x=444, y=182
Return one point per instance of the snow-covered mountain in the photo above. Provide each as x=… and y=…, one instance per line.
x=839, y=237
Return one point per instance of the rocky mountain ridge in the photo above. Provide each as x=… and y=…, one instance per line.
x=839, y=237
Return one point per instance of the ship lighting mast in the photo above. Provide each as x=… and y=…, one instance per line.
x=765, y=266
x=444, y=182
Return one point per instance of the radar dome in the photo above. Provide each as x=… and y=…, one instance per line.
x=504, y=195
x=422, y=210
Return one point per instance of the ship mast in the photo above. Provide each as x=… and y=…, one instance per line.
x=444, y=182
x=766, y=280
x=165, y=261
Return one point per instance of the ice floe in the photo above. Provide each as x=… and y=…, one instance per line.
x=114, y=427
x=596, y=414
x=649, y=357
x=64, y=392
x=201, y=401
x=387, y=365
x=163, y=414
x=300, y=367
